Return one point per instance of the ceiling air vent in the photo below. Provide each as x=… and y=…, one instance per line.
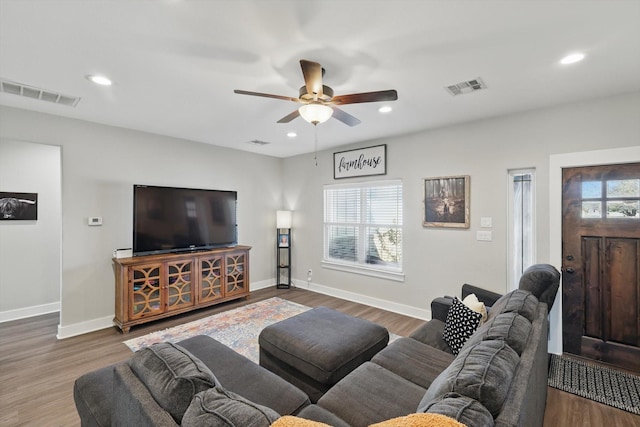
x=7, y=86
x=466, y=87
x=257, y=142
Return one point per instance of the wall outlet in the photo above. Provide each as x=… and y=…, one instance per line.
x=309, y=274
x=94, y=220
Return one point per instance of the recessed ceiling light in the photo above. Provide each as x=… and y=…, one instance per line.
x=572, y=59
x=292, y=134
x=385, y=109
x=100, y=80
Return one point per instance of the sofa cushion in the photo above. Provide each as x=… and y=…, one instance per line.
x=510, y=327
x=412, y=360
x=172, y=375
x=542, y=280
x=319, y=414
x=461, y=323
x=371, y=394
x=461, y=408
x=482, y=372
x=518, y=301
x=431, y=334
x=217, y=407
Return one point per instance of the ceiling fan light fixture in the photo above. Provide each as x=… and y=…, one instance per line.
x=315, y=113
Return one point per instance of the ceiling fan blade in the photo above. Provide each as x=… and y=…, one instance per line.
x=289, y=117
x=312, y=72
x=345, y=117
x=266, y=95
x=356, y=98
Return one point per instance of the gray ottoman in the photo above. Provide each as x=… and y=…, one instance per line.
x=316, y=349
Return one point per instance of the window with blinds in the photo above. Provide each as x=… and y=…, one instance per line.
x=363, y=226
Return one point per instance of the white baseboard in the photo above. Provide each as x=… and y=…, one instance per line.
x=107, y=322
x=84, y=327
x=23, y=313
x=254, y=286
x=364, y=299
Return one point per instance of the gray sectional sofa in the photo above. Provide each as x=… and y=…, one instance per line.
x=499, y=377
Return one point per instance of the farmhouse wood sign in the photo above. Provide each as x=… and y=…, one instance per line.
x=360, y=162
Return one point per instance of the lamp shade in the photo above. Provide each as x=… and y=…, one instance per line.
x=315, y=113
x=283, y=219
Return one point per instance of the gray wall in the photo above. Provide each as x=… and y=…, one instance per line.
x=439, y=261
x=30, y=250
x=100, y=164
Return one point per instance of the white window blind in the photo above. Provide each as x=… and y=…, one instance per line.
x=363, y=225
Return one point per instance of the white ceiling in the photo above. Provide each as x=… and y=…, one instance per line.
x=175, y=63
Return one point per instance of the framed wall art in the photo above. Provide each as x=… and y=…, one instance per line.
x=446, y=201
x=361, y=162
x=18, y=206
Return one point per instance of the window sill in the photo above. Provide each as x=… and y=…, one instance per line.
x=365, y=271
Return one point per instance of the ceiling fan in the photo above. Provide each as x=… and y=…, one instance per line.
x=319, y=104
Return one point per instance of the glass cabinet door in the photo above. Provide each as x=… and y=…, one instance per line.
x=235, y=274
x=145, y=290
x=211, y=278
x=180, y=284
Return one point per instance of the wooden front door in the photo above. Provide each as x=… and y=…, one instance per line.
x=601, y=263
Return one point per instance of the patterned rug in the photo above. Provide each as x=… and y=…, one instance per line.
x=601, y=384
x=238, y=328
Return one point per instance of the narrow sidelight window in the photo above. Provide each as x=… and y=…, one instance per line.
x=521, y=217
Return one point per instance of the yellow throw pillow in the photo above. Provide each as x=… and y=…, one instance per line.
x=420, y=420
x=291, y=421
x=472, y=302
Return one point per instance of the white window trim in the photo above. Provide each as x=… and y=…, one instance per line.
x=357, y=268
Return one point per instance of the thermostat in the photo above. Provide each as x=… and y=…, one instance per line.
x=95, y=220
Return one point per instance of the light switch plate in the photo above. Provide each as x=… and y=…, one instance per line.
x=484, y=236
x=486, y=222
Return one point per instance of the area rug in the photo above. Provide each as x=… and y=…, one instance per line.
x=598, y=383
x=238, y=328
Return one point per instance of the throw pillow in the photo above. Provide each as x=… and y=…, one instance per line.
x=217, y=407
x=420, y=420
x=173, y=376
x=291, y=421
x=461, y=323
x=464, y=409
x=474, y=304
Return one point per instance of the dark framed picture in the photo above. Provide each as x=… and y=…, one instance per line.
x=18, y=206
x=446, y=201
x=283, y=240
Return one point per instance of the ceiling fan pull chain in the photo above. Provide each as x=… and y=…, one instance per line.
x=315, y=153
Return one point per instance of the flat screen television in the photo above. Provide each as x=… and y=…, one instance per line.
x=168, y=219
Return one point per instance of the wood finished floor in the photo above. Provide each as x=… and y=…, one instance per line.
x=37, y=370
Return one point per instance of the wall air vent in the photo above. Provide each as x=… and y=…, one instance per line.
x=466, y=87
x=7, y=86
x=257, y=142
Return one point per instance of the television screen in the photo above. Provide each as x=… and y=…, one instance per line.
x=167, y=219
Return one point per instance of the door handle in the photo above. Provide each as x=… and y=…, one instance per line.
x=570, y=270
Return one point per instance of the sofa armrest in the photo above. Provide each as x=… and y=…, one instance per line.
x=133, y=404
x=487, y=297
x=440, y=307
